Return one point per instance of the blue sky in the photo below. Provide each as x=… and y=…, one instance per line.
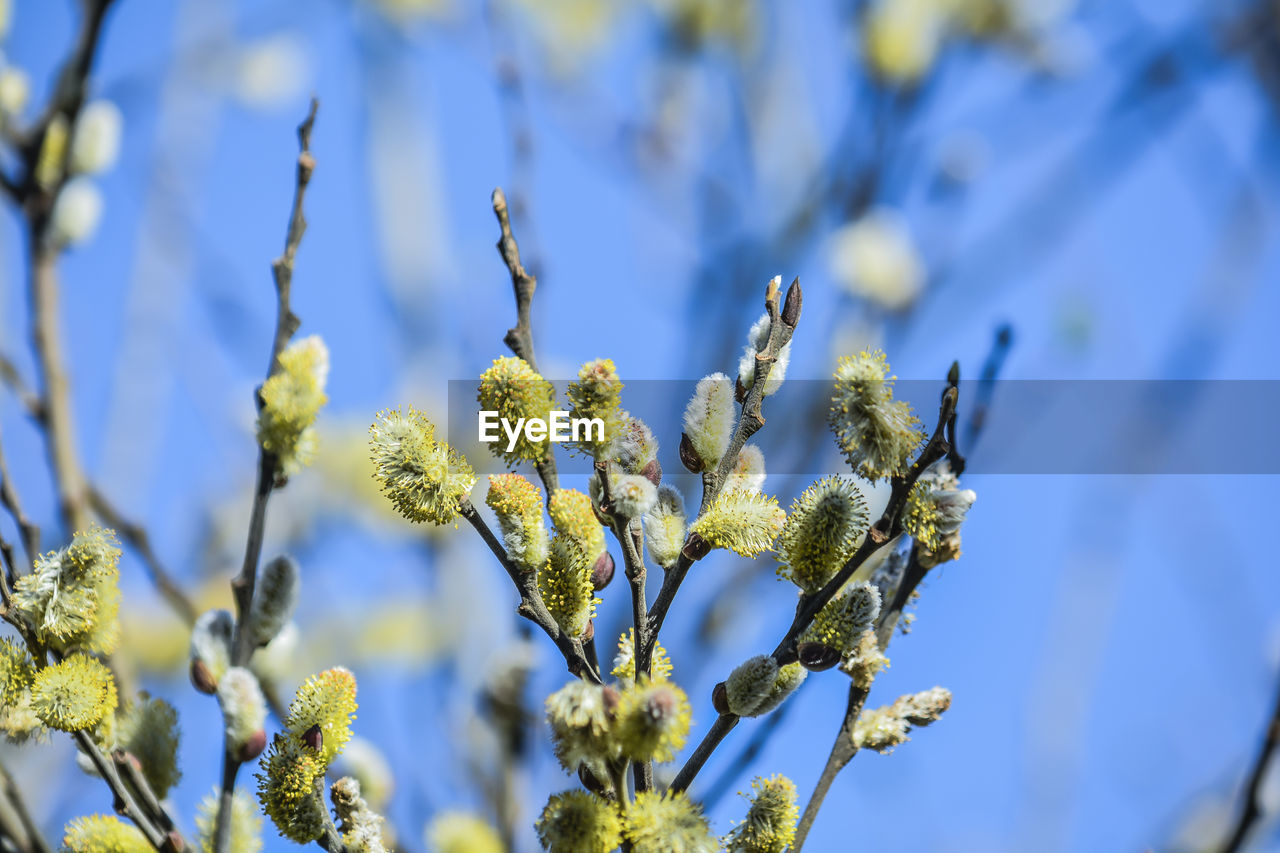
x=1111, y=641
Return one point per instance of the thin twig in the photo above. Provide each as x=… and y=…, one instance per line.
x=531, y=606
x=884, y=531
x=519, y=338
x=842, y=752
x=242, y=585
x=125, y=803
x=1251, y=808
x=750, y=421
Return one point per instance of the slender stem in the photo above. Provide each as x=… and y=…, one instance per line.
x=46, y=338
x=750, y=420
x=531, y=606
x=842, y=752
x=242, y=586
x=125, y=802
x=1251, y=809
x=884, y=531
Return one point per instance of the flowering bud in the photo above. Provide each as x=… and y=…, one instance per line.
x=688, y=456
x=770, y=826
x=866, y=660
x=53, y=150
x=71, y=598
x=516, y=392
x=602, y=571
x=275, y=596
x=876, y=260
x=624, y=662
x=326, y=701
x=424, y=478
x=518, y=505
x=596, y=394
x=631, y=495
x=749, y=684
x=245, y=824
x=565, y=583
x=74, y=694
x=791, y=306
x=634, y=447
x=244, y=711
x=741, y=522
x=579, y=821
x=789, y=678
x=664, y=527
x=653, y=720
x=98, y=833
x=15, y=89
x=361, y=826
x=286, y=790
x=845, y=618
x=573, y=516
x=748, y=471
x=148, y=731
x=458, y=832
x=95, y=145
x=660, y=823
x=652, y=472
x=821, y=533
x=291, y=398
x=211, y=649
x=887, y=726
x=708, y=422
x=758, y=343
x=876, y=433
x=580, y=720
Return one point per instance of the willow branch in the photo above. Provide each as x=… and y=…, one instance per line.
x=531, y=606
x=1251, y=809
x=519, y=338
x=842, y=752
x=782, y=325
x=242, y=585
x=125, y=802
x=887, y=528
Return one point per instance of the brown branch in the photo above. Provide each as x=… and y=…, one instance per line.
x=242, y=585
x=125, y=802
x=884, y=531
x=783, y=320
x=531, y=606
x=1251, y=809
x=842, y=752
x=519, y=338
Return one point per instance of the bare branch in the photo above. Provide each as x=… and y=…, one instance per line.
x=268, y=465
x=1251, y=809
x=519, y=338
x=531, y=606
